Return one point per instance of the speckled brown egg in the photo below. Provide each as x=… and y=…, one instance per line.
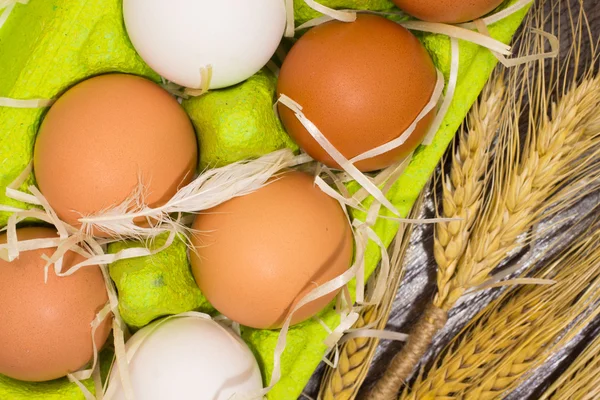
x=258, y=255
x=106, y=135
x=362, y=84
x=448, y=11
x=45, y=330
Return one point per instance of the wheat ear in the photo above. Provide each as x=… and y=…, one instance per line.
x=463, y=188
x=559, y=141
x=340, y=383
x=518, y=331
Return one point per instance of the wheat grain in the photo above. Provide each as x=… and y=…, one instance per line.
x=462, y=198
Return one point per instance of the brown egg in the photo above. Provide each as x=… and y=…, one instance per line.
x=448, y=11
x=258, y=255
x=45, y=330
x=362, y=84
x=105, y=135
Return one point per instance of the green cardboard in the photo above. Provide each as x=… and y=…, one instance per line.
x=156, y=286
x=49, y=45
x=238, y=123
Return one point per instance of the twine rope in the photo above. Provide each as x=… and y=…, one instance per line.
x=401, y=367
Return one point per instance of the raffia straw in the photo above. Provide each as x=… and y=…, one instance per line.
x=452, y=31
x=517, y=332
x=340, y=15
x=206, y=74
x=521, y=193
x=31, y=103
x=211, y=188
x=250, y=176
x=348, y=165
x=581, y=380
x=355, y=355
x=290, y=25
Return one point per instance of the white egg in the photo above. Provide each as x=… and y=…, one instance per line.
x=179, y=37
x=188, y=358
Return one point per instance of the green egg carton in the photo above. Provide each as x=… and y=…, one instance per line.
x=47, y=46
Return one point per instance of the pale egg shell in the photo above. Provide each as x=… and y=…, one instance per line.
x=179, y=37
x=105, y=135
x=258, y=255
x=45, y=329
x=188, y=358
x=362, y=84
x=448, y=11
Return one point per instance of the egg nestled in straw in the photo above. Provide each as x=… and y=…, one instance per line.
x=362, y=84
x=258, y=255
x=188, y=358
x=178, y=38
x=46, y=328
x=109, y=139
x=448, y=11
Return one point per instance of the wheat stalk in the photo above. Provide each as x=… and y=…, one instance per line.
x=518, y=331
x=474, y=357
x=521, y=190
x=581, y=381
x=344, y=382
